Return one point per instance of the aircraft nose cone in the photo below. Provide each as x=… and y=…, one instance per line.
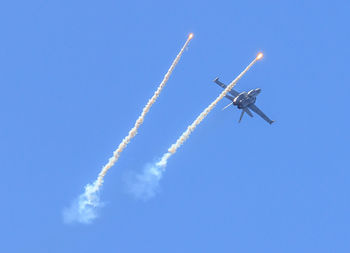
x=258, y=90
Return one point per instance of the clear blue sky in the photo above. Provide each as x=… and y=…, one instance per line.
x=75, y=75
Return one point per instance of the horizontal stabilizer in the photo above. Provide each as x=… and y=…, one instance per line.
x=255, y=109
x=248, y=112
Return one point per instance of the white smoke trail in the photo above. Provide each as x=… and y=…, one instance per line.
x=84, y=209
x=147, y=182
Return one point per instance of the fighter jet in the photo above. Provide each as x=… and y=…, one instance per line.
x=244, y=101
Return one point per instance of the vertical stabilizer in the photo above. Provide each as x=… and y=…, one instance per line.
x=240, y=118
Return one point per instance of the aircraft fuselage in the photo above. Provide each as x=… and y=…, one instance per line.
x=245, y=99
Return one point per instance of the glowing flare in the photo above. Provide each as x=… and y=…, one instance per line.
x=259, y=56
x=190, y=36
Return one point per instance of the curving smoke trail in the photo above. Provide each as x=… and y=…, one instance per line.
x=84, y=209
x=147, y=182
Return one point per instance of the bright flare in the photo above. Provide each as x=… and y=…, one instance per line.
x=259, y=56
x=190, y=36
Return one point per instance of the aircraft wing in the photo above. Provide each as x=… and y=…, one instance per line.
x=229, y=97
x=232, y=91
x=255, y=109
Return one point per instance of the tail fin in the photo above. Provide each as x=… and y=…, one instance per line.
x=241, y=116
x=248, y=112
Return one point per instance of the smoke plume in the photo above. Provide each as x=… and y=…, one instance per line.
x=84, y=209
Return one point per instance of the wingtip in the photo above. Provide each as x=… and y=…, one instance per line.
x=272, y=121
x=216, y=79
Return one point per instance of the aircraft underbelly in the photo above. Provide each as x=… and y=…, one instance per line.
x=245, y=103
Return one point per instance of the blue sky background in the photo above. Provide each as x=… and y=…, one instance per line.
x=75, y=75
